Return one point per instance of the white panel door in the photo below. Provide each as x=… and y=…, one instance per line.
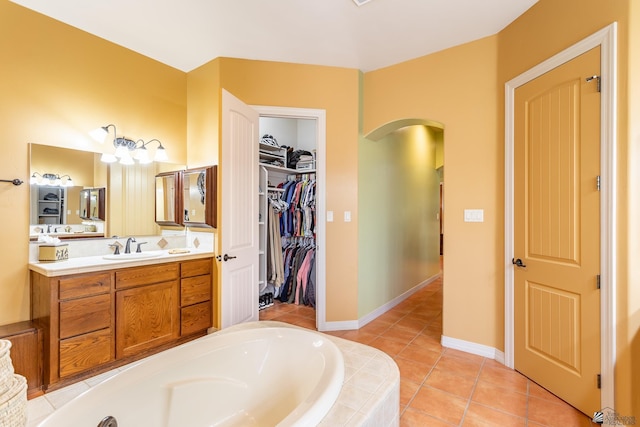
x=239, y=224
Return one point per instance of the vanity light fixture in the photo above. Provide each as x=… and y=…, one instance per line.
x=51, y=179
x=127, y=149
x=143, y=155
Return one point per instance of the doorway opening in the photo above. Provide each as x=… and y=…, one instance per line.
x=291, y=163
x=399, y=226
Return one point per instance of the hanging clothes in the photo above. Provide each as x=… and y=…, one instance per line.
x=291, y=241
x=275, y=263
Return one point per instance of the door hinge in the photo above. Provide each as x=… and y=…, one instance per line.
x=598, y=281
x=599, y=380
x=597, y=79
x=598, y=182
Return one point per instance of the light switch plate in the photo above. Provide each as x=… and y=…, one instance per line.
x=347, y=216
x=474, y=215
x=329, y=216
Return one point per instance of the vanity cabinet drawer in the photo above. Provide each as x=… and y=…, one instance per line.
x=195, y=268
x=195, y=318
x=86, y=351
x=146, y=275
x=84, y=285
x=195, y=289
x=84, y=315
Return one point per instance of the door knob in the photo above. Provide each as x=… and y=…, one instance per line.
x=517, y=262
x=226, y=257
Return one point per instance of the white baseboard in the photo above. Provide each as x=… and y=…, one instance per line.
x=357, y=324
x=340, y=326
x=473, y=348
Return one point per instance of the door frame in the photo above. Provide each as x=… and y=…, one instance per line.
x=606, y=38
x=320, y=116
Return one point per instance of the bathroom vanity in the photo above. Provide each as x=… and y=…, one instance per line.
x=109, y=313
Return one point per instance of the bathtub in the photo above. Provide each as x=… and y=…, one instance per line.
x=253, y=376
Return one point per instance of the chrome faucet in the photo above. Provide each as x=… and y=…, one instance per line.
x=127, y=248
x=116, y=248
x=108, y=422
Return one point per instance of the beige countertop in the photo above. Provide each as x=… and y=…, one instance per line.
x=99, y=263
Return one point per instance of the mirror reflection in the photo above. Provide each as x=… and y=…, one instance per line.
x=194, y=195
x=168, y=202
x=199, y=196
x=92, y=202
x=129, y=195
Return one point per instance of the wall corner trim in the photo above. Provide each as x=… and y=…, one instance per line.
x=473, y=348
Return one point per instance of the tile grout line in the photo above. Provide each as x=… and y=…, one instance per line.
x=473, y=389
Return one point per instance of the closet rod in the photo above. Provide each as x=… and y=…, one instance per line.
x=13, y=181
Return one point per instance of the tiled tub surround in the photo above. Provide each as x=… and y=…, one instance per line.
x=369, y=396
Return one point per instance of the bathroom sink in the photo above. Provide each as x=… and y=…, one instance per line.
x=134, y=255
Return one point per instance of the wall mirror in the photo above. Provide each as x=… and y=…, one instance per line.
x=129, y=191
x=199, y=196
x=92, y=204
x=168, y=200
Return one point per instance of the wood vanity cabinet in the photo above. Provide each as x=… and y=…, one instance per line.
x=147, y=309
x=94, y=322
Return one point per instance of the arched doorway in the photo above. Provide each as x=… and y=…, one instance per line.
x=399, y=204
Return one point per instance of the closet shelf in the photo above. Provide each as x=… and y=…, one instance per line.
x=287, y=170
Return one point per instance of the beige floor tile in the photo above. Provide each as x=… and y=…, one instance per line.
x=439, y=404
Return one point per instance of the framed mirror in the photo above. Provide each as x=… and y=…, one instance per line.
x=199, y=197
x=168, y=200
x=92, y=203
x=127, y=189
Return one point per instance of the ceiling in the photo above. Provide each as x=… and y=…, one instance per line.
x=188, y=33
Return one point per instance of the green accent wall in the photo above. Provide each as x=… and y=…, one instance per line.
x=398, y=201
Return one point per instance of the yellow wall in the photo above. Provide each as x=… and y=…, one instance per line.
x=61, y=82
x=398, y=192
x=546, y=29
x=57, y=84
x=463, y=87
x=303, y=86
x=203, y=108
x=457, y=88
x=630, y=348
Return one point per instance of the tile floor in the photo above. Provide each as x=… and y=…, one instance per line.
x=444, y=387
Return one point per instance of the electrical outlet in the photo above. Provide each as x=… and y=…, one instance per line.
x=474, y=215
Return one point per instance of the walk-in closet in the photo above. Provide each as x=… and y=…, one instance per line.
x=287, y=211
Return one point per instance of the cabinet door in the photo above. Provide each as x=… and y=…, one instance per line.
x=146, y=317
